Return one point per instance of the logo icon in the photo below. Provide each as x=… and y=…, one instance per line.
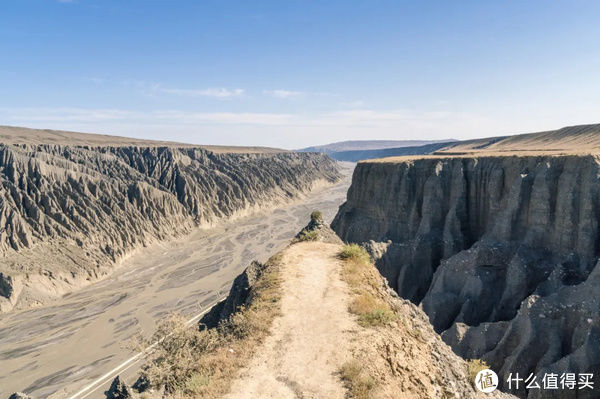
x=486, y=381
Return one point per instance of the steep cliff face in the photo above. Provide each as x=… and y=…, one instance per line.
x=499, y=250
x=68, y=212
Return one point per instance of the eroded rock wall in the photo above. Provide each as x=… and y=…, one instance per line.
x=500, y=251
x=68, y=213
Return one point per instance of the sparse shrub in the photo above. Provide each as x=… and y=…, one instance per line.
x=238, y=325
x=417, y=334
x=354, y=252
x=195, y=383
x=173, y=359
x=308, y=235
x=377, y=317
x=358, y=384
x=363, y=303
x=192, y=363
x=316, y=216
x=474, y=366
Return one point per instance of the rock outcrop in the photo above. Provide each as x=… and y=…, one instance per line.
x=19, y=395
x=239, y=295
x=119, y=390
x=68, y=213
x=500, y=251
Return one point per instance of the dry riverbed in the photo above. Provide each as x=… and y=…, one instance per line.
x=58, y=349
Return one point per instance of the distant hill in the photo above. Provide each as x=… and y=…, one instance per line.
x=355, y=156
x=23, y=135
x=570, y=139
x=361, y=145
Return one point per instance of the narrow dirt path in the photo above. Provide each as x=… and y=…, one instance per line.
x=311, y=338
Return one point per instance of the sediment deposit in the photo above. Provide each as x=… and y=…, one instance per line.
x=68, y=213
x=500, y=251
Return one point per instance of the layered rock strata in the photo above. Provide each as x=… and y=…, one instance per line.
x=500, y=251
x=68, y=213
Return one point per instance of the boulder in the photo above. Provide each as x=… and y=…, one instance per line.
x=119, y=390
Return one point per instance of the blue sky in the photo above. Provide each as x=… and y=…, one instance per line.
x=297, y=73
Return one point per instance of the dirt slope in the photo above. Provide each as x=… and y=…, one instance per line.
x=311, y=338
x=316, y=337
x=315, y=321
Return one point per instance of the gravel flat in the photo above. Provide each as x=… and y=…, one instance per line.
x=57, y=349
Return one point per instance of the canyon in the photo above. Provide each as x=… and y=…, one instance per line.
x=485, y=249
x=77, y=335
x=69, y=214
x=299, y=326
x=499, y=248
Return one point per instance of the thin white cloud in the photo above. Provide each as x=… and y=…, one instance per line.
x=391, y=117
x=280, y=129
x=243, y=118
x=353, y=104
x=219, y=92
x=85, y=115
x=354, y=117
x=67, y=114
x=94, y=80
x=284, y=94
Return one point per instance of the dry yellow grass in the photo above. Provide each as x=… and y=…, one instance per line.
x=474, y=366
x=307, y=235
x=572, y=140
x=396, y=353
x=359, y=385
x=201, y=364
x=442, y=156
x=357, y=272
x=370, y=310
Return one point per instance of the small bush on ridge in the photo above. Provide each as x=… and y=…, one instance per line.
x=316, y=216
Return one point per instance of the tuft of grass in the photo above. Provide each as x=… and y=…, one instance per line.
x=358, y=272
x=417, y=334
x=474, y=366
x=377, y=317
x=316, y=216
x=359, y=385
x=371, y=311
x=176, y=353
x=308, y=235
x=195, y=383
x=355, y=253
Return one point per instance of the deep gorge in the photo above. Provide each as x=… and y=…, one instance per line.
x=69, y=213
x=500, y=252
